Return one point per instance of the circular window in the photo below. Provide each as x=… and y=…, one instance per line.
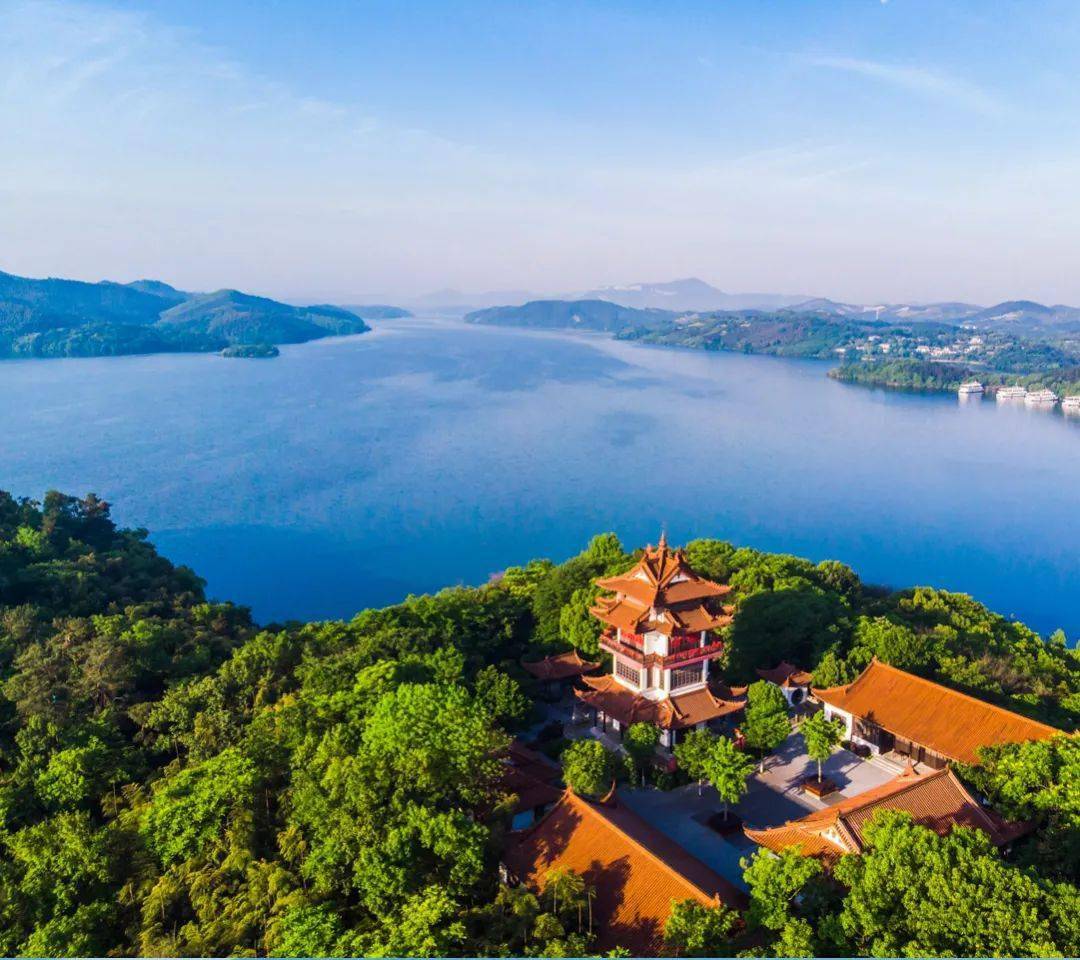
x=797, y=695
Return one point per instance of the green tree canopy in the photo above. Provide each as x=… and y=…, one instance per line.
x=727, y=769
x=640, y=745
x=695, y=930
x=588, y=767
x=822, y=737
x=766, y=724
x=914, y=893
x=692, y=753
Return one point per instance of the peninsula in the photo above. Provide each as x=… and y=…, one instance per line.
x=923, y=347
x=461, y=774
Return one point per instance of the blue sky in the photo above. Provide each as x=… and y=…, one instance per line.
x=856, y=149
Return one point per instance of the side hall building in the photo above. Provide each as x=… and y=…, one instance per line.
x=936, y=800
x=892, y=711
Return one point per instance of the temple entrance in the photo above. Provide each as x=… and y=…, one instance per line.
x=871, y=733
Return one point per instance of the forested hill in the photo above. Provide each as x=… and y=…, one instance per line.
x=885, y=347
x=597, y=315
x=69, y=318
x=176, y=780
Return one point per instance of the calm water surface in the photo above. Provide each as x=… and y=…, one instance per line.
x=351, y=472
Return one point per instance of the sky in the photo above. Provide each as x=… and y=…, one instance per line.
x=863, y=150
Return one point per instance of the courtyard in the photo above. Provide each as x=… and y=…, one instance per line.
x=772, y=799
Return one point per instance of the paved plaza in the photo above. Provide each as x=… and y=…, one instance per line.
x=773, y=798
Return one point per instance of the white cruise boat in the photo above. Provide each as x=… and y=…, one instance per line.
x=1071, y=404
x=1041, y=398
x=1011, y=393
x=970, y=389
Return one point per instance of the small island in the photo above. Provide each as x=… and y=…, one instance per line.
x=251, y=351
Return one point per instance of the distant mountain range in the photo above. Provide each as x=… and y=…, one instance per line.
x=678, y=295
x=70, y=318
x=688, y=294
x=1022, y=317
x=686, y=298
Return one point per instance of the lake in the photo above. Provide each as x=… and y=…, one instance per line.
x=350, y=472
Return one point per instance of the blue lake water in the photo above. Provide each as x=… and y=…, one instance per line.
x=350, y=472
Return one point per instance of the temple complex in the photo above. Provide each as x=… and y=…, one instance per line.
x=660, y=627
x=936, y=800
x=891, y=711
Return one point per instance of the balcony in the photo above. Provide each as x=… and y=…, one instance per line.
x=683, y=654
x=686, y=655
x=614, y=645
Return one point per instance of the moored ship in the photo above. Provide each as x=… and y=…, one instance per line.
x=971, y=388
x=1011, y=393
x=1041, y=398
x=1071, y=404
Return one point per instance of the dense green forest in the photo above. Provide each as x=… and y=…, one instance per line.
x=68, y=318
x=178, y=780
x=1063, y=377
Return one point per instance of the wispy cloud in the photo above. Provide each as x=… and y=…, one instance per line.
x=927, y=82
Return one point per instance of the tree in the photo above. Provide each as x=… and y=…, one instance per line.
x=796, y=939
x=695, y=930
x=588, y=767
x=1038, y=780
x=727, y=769
x=640, y=745
x=501, y=696
x=693, y=752
x=784, y=617
x=775, y=881
x=766, y=725
x=577, y=626
x=833, y=671
x=822, y=736
x=914, y=893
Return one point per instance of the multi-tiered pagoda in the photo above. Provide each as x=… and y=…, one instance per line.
x=660, y=627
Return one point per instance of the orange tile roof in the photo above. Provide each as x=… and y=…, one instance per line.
x=936, y=800
x=561, y=666
x=635, y=870
x=661, y=592
x=672, y=713
x=946, y=721
x=786, y=675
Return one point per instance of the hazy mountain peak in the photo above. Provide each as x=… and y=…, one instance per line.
x=689, y=293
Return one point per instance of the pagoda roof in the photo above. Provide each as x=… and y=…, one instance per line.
x=624, y=614
x=661, y=592
x=674, y=712
x=952, y=724
x=786, y=674
x=635, y=870
x=936, y=800
x=662, y=577
x=560, y=666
